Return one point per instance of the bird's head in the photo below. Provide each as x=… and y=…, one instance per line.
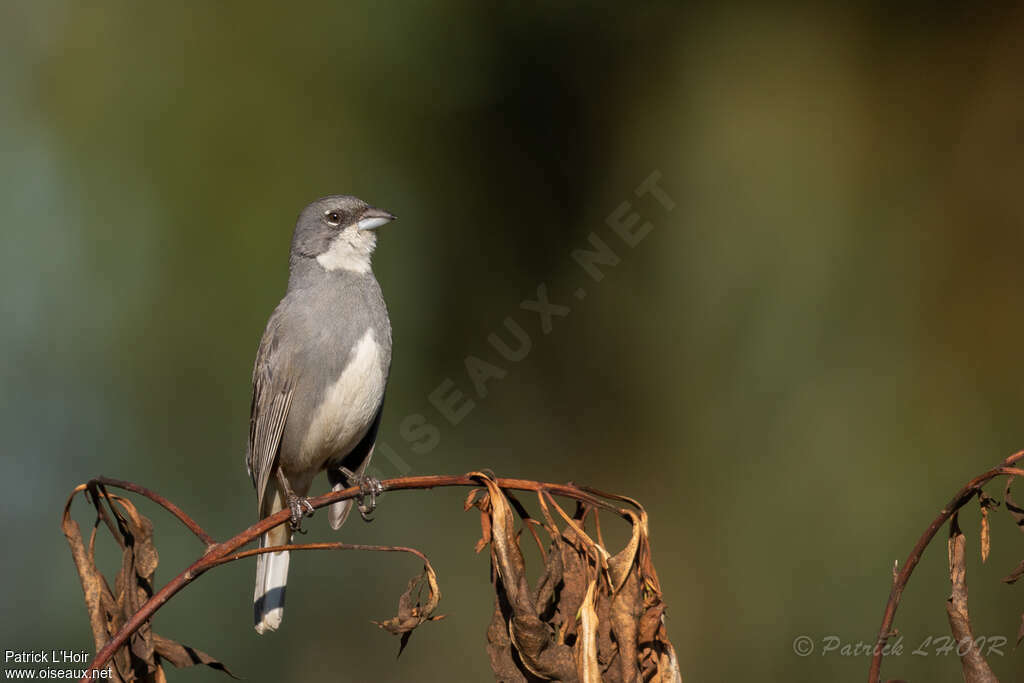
x=339, y=232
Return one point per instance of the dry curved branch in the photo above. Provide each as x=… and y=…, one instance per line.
x=321, y=546
x=192, y=525
x=655, y=658
x=962, y=497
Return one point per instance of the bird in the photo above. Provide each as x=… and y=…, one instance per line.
x=318, y=382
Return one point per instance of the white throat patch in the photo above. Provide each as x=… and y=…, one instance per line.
x=343, y=255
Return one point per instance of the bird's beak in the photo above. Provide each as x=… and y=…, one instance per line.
x=374, y=218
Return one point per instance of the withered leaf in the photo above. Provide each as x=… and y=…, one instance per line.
x=626, y=611
x=182, y=656
x=650, y=623
x=1015, y=574
x=620, y=563
x=972, y=660
x=532, y=645
x=592, y=616
x=485, y=532
x=1012, y=507
x=142, y=659
x=413, y=610
x=586, y=645
x=986, y=540
x=499, y=644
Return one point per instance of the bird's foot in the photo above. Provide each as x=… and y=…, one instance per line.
x=369, y=487
x=300, y=507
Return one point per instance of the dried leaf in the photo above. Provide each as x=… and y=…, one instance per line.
x=539, y=654
x=485, y=532
x=484, y=505
x=183, y=656
x=499, y=645
x=986, y=540
x=975, y=668
x=626, y=613
x=574, y=587
x=620, y=564
x=412, y=609
x=586, y=644
x=600, y=553
x=109, y=610
x=549, y=584
x=504, y=550
x=1012, y=507
x=1015, y=574
x=650, y=622
x=592, y=616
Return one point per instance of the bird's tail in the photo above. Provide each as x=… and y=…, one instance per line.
x=271, y=575
x=337, y=513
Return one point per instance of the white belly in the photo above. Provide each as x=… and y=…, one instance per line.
x=348, y=407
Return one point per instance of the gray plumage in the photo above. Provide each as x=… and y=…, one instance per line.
x=319, y=376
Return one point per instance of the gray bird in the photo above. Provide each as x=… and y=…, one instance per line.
x=319, y=379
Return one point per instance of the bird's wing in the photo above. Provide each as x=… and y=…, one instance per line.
x=271, y=397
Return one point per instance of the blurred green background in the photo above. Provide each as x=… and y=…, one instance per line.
x=794, y=370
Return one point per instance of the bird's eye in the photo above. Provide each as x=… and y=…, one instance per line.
x=333, y=217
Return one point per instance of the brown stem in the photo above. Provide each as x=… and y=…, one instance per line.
x=1010, y=460
x=321, y=546
x=962, y=497
x=101, y=502
x=159, y=500
x=219, y=553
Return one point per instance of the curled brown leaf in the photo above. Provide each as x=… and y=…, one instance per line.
x=109, y=610
x=592, y=616
x=413, y=608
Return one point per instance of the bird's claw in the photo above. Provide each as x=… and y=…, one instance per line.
x=368, y=487
x=300, y=507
